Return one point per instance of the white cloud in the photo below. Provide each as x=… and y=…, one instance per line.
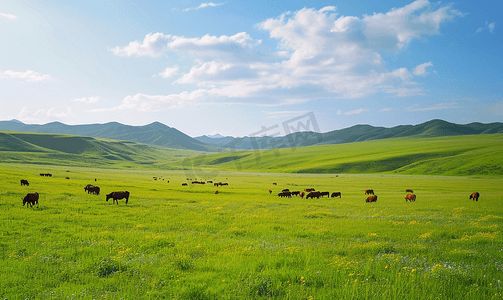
x=204, y=5
x=421, y=69
x=489, y=26
x=319, y=54
x=438, y=106
x=152, y=45
x=7, y=16
x=42, y=115
x=87, y=100
x=387, y=109
x=168, y=72
x=339, y=112
x=355, y=112
x=28, y=75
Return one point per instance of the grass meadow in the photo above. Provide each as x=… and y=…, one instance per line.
x=174, y=242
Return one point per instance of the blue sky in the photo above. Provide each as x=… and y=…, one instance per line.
x=233, y=67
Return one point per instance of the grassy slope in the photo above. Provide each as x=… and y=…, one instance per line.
x=67, y=150
x=174, y=242
x=457, y=155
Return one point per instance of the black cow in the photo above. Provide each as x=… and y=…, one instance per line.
x=25, y=182
x=325, y=194
x=118, y=195
x=94, y=189
x=336, y=194
x=31, y=199
x=184, y=184
x=369, y=192
x=285, y=190
x=295, y=193
x=285, y=194
x=313, y=194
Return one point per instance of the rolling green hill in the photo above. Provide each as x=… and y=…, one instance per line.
x=469, y=155
x=155, y=133
x=59, y=149
x=480, y=155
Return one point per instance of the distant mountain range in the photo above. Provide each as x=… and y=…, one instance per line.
x=161, y=135
x=357, y=133
x=154, y=134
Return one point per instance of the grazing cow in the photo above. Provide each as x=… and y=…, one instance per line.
x=216, y=192
x=313, y=194
x=369, y=192
x=209, y=181
x=325, y=194
x=67, y=177
x=285, y=194
x=31, y=199
x=410, y=197
x=285, y=190
x=224, y=183
x=215, y=184
x=302, y=195
x=309, y=190
x=409, y=191
x=274, y=183
x=475, y=196
x=94, y=190
x=270, y=192
x=118, y=195
x=184, y=184
x=371, y=199
x=25, y=182
x=295, y=193
x=336, y=194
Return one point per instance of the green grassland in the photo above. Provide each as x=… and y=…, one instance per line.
x=475, y=155
x=69, y=150
x=174, y=242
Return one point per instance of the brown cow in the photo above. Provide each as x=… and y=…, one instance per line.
x=309, y=190
x=216, y=192
x=31, y=199
x=302, y=195
x=270, y=191
x=409, y=191
x=25, y=182
x=274, y=183
x=371, y=199
x=475, y=196
x=336, y=194
x=410, y=197
x=369, y=192
x=118, y=195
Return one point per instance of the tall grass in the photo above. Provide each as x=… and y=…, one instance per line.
x=243, y=243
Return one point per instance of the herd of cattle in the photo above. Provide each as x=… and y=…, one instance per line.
x=32, y=198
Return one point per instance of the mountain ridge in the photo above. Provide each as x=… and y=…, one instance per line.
x=159, y=134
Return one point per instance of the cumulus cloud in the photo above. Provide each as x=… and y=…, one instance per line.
x=421, y=69
x=43, y=115
x=87, y=100
x=7, y=16
x=27, y=75
x=489, y=26
x=204, y=5
x=168, y=72
x=319, y=54
x=152, y=45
